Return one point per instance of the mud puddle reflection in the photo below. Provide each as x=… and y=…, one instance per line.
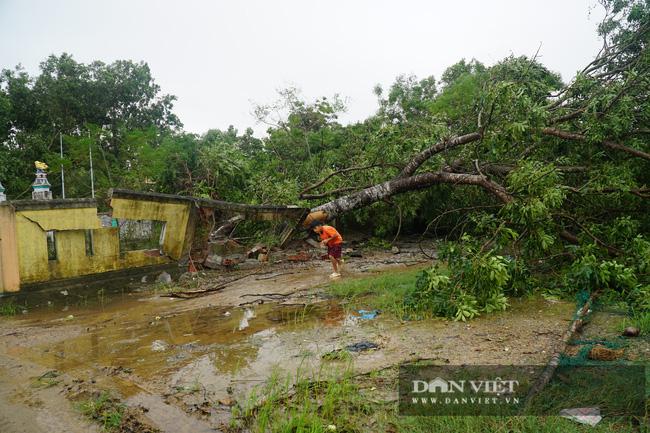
x=148, y=345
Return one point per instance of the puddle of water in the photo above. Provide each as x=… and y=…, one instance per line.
x=152, y=345
x=87, y=299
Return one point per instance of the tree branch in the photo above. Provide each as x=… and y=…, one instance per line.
x=610, y=249
x=332, y=192
x=336, y=173
x=415, y=162
x=639, y=192
x=610, y=144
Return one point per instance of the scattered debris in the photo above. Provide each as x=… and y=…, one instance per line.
x=188, y=276
x=226, y=229
x=143, y=279
x=602, y=353
x=47, y=379
x=273, y=275
x=302, y=256
x=631, y=331
x=368, y=314
x=312, y=243
x=164, y=278
x=225, y=247
x=205, y=291
x=119, y=370
x=548, y=372
x=159, y=346
x=342, y=354
x=64, y=292
x=249, y=264
x=233, y=259
x=227, y=401
x=583, y=415
x=213, y=261
x=361, y=346
x=256, y=251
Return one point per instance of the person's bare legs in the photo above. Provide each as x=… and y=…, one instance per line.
x=335, y=264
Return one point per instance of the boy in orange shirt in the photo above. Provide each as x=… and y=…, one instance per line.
x=330, y=237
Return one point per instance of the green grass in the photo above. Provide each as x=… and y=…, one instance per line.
x=639, y=320
x=526, y=424
x=104, y=409
x=9, y=308
x=46, y=380
x=375, y=243
x=307, y=406
x=342, y=402
x=384, y=291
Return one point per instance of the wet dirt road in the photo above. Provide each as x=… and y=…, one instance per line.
x=183, y=363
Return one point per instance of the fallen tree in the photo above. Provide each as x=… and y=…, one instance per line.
x=564, y=169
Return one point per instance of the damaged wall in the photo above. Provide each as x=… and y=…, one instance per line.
x=175, y=215
x=69, y=220
x=79, y=245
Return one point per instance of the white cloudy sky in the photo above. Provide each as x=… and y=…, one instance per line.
x=220, y=56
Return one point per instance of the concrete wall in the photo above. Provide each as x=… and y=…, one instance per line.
x=176, y=216
x=70, y=226
x=23, y=238
x=24, y=225
x=9, y=276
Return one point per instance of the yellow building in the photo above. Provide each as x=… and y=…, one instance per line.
x=45, y=240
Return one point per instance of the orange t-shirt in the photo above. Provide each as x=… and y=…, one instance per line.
x=328, y=232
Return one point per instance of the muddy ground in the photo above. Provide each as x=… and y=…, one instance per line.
x=181, y=364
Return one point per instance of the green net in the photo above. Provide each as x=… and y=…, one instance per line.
x=582, y=356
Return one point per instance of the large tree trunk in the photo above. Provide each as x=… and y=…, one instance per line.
x=407, y=180
x=399, y=185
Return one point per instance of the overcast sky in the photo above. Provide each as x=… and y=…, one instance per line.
x=220, y=57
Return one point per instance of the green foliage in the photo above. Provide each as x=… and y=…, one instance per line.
x=104, y=409
x=407, y=98
x=461, y=69
x=640, y=320
x=474, y=282
x=619, y=281
x=93, y=105
x=377, y=243
x=9, y=308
